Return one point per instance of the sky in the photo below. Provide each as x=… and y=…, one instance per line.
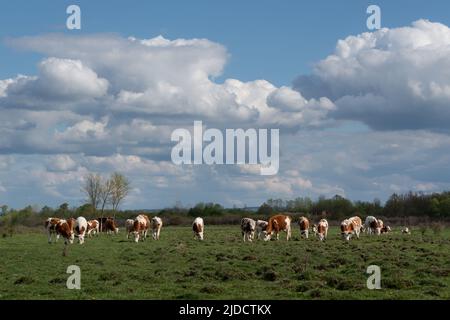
x=361, y=113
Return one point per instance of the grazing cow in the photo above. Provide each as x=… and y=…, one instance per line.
x=198, y=227
x=156, y=227
x=406, y=230
x=276, y=224
x=93, y=227
x=351, y=227
x=248, y=228
x=65, y=229
x=322, y=229
x=81, y=229
x=140, y=227
x=261, y=227
x=303, y=223
x=385, y=229
x=129, y=227
x=50, y=227
x=371, y=225
x=111, y=226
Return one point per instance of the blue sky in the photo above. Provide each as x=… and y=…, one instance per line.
x=290, y=34
x=360, y=114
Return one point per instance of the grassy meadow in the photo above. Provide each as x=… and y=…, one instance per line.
x=415, y=266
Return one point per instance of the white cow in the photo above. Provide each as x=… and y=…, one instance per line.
x=80, y=229
x=198, y=227
x=248, y=227
x=261, y=227
x=156, y=227
x=129, y=223
x=371, y=225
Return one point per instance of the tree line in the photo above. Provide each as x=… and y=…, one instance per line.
x=104, y=196
x=411, y=204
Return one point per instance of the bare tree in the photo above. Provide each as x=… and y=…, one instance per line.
x=105, y=193
x=92, y=187
x=121, y=187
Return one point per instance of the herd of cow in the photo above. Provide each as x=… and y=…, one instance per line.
x=139, y=227
x=349, y=227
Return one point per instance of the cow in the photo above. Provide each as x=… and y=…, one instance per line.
x=129, y=223
x=406, y=230
x=81, y=229
x=198, y=227
x=385, y=229
x=322, y=229
x=248, y=228
x=111, y=226
x=65, y=229
x=141, y=225
x=303, y=223
x=50, y=227
x=93, y=228
x=156, y=227
x=351, y=227
x=261, y=227
x=371, y=225
x=277, y=224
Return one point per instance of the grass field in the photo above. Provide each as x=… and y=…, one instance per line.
x=223, y=267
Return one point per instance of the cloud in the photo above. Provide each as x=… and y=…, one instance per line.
x=61, y=163
x=389, y=79
x=126, y=96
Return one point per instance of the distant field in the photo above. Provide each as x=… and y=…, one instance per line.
x=223, y=267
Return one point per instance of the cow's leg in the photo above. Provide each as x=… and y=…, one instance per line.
x=306, y=233
x=49, y=236
x=159, y=232
x=288, y=236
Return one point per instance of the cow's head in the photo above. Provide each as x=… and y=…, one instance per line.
x=136, y=236
x=267, y=235
x=71, y=237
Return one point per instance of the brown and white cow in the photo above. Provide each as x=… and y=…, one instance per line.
x=277, y=224
x=93, y=227
x=65, y=229
x=351, y=227
x=111, y=226
x=129, y=223
x=198, y=227
x=248, y=228
x=81, y=229
x=383, y=228
x=322, y=229
x=140, y=227
x=406, y=230
x=371, y=225
x=303, y=223
x=50, y=227
x=156, y=227
x=261, y=228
